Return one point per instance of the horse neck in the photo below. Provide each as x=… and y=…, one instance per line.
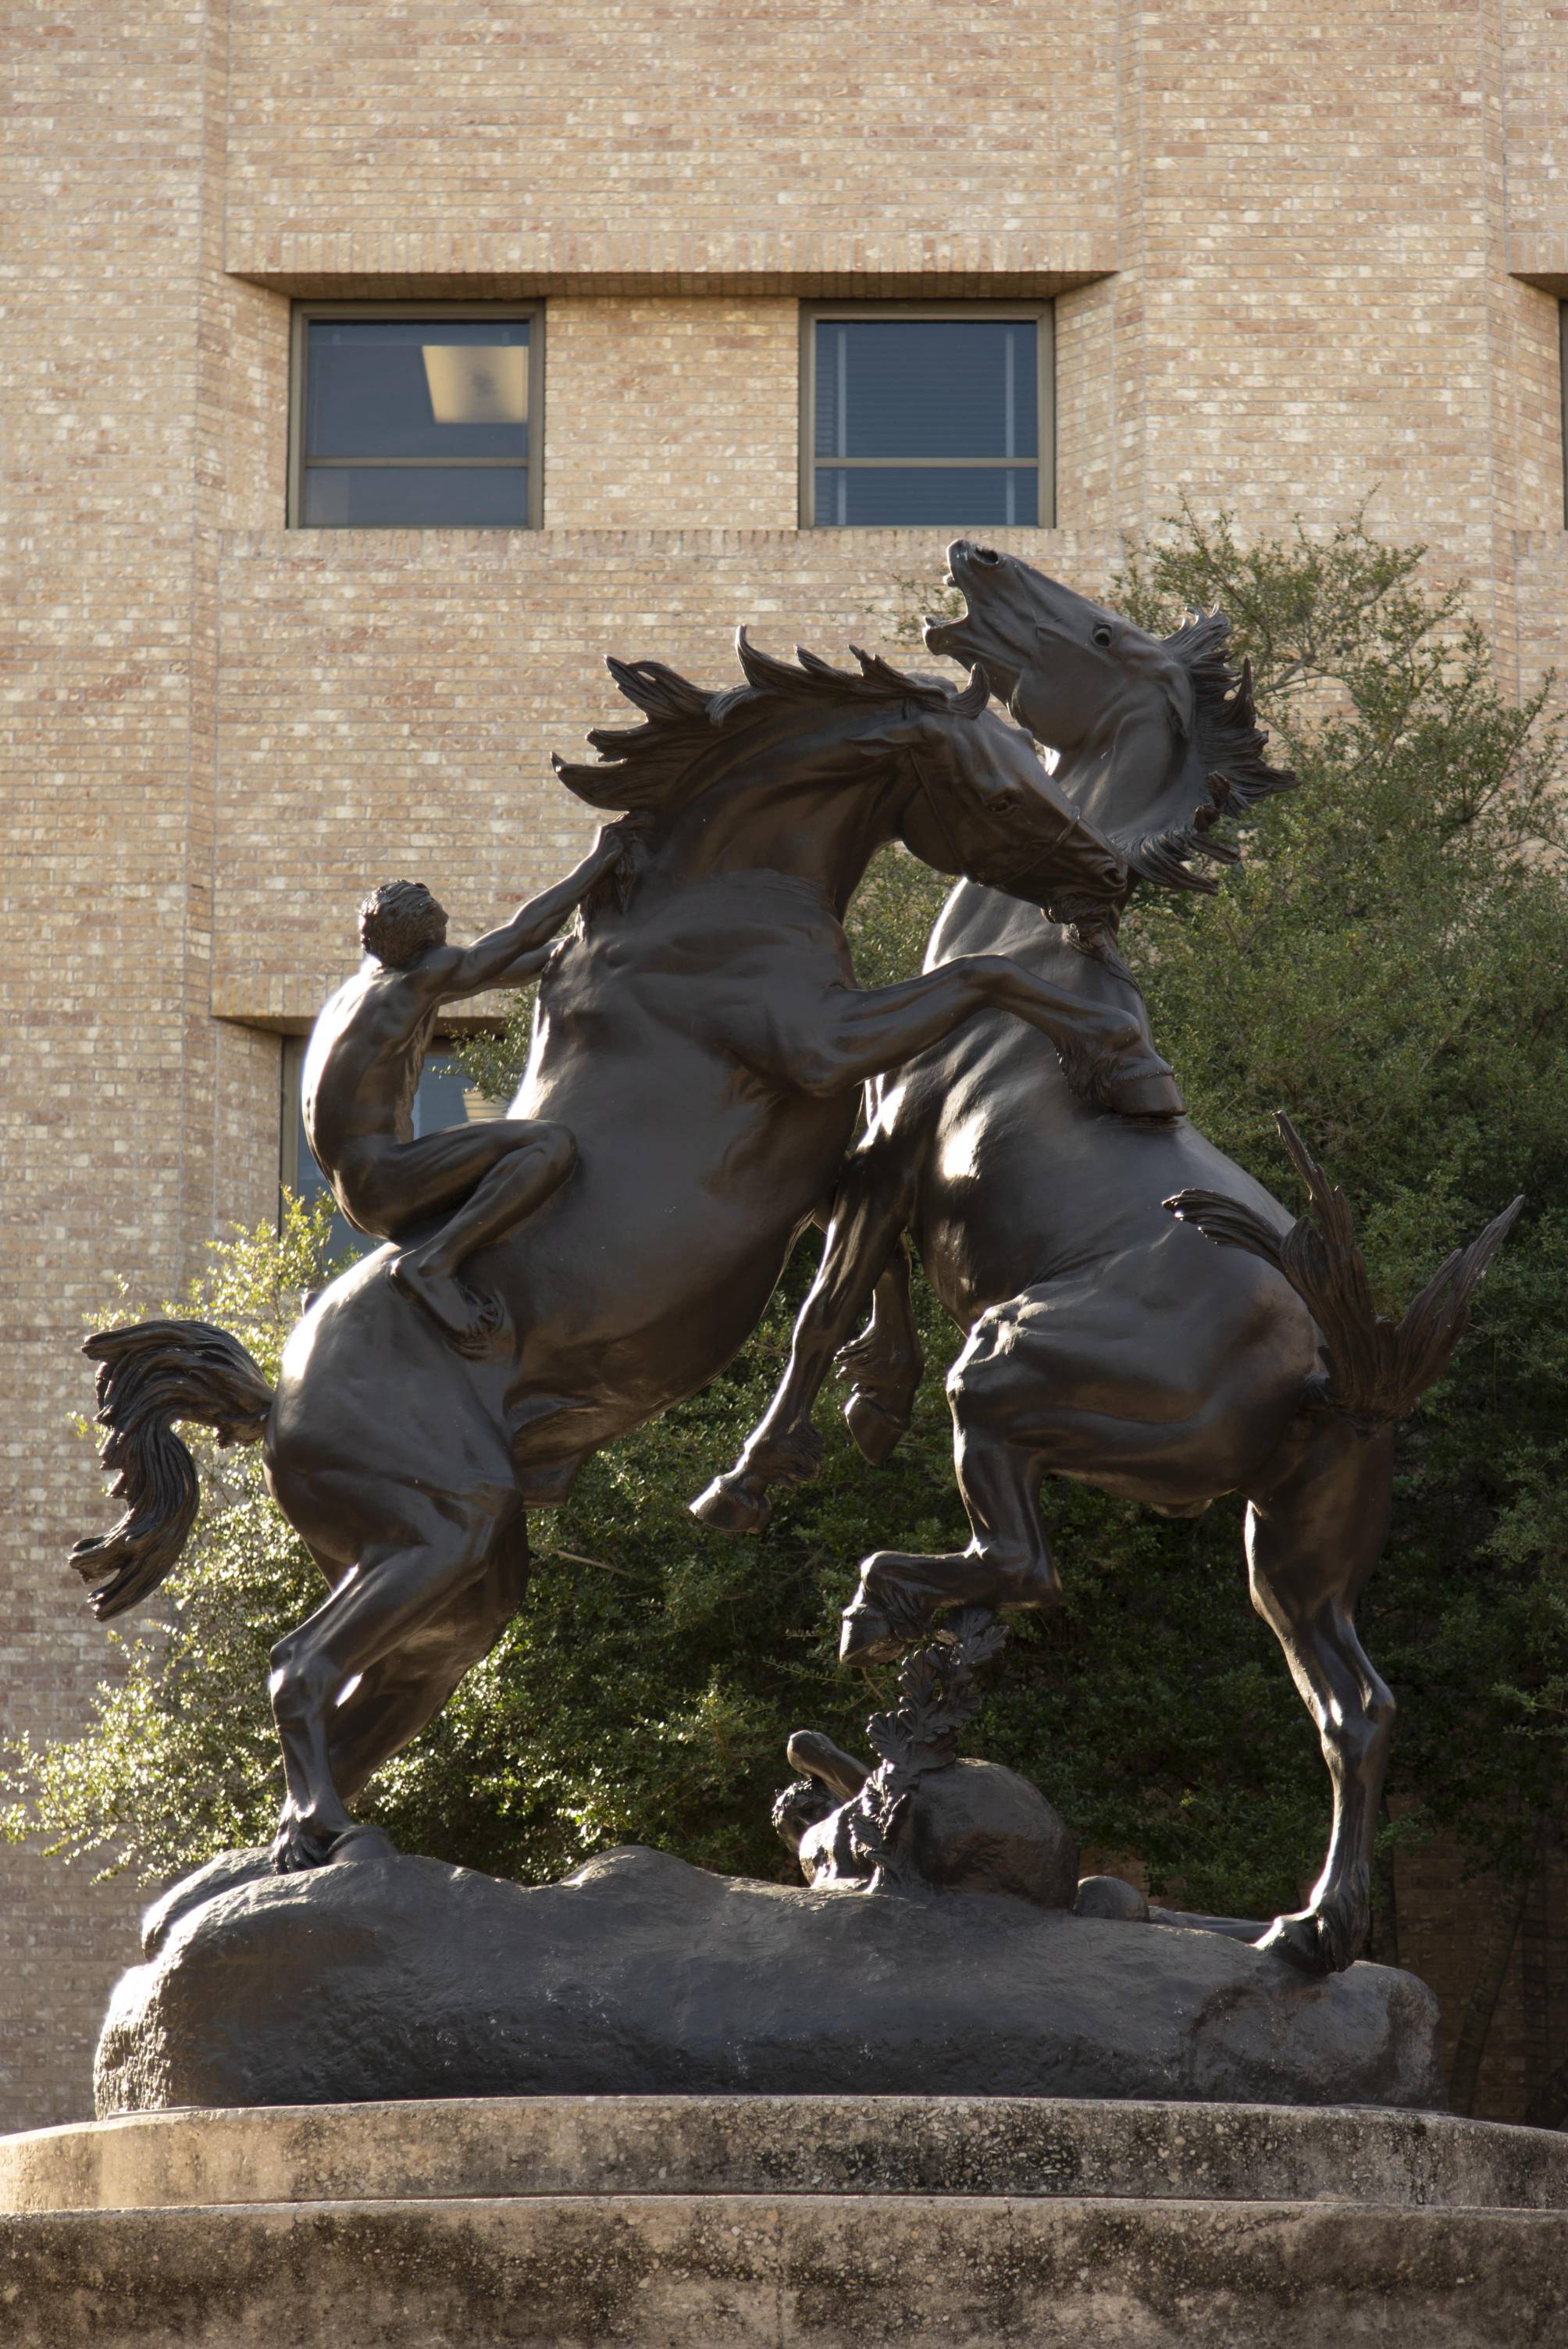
x=821, y=832
x=975, y=920
x=1127, y=765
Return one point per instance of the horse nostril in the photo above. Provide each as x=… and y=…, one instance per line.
x=986, y=555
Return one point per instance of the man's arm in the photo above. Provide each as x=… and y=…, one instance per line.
x=496, y=959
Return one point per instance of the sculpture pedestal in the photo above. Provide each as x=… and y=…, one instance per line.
x=395, y=1977
x=819, y=2222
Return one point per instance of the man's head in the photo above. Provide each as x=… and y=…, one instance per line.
x=399, y=920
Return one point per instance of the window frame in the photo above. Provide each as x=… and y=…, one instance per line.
x=299, y=342
x=1043, y=313
x=1562, y=396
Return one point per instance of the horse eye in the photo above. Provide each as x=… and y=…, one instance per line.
x=1100, y=636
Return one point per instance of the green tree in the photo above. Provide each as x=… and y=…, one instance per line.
x=1390, y=964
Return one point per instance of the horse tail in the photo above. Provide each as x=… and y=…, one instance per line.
x=149, y=1375
x=1374, y=1368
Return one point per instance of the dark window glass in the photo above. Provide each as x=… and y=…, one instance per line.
x=417, y=387
x=898, y=401
x=366, y=497
x=887, y=496
x=927, y=388
x=415, y=420
x=446, y=1097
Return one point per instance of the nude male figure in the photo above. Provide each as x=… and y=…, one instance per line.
x=362, y=1070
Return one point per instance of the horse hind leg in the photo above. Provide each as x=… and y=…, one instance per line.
x=1311, y=1540
x=403, y=1694
x=399, y=1596
x=993, y=1391
x=884, y=1366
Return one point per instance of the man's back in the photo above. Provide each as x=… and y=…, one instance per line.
x=367, y=1050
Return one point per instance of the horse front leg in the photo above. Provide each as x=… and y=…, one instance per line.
x=1104, y=1049
x=1312, y=1539
x=871, y=1209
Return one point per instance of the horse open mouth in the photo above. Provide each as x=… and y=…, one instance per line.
x=940, y=632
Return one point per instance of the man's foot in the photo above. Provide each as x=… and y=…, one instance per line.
x=471, y=1321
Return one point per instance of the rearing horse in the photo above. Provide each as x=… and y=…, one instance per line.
x=703, y=1038
x=1107, y=1340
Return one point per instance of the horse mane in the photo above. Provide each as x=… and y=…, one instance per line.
x=1226, y=746
x=651, y=767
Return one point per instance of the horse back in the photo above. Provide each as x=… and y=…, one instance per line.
x=1016, y=1180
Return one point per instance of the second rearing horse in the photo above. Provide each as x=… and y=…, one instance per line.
x=1108, y=1340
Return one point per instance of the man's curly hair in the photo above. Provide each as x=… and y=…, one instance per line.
x=398, y=920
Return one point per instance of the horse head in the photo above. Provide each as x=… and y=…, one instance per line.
x=1155, y=736
x=809, y=768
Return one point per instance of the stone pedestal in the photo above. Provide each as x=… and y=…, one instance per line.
x=819, y=2222
x=392, y=1977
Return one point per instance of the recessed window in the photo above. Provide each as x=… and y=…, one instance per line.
x=446, y=1097
x=924, y=416
x=416, y=417
x=1563, y=366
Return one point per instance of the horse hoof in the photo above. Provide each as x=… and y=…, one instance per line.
x=296, y=1849
x=1300, y=1942
x=876, y=1430
x=734, y=1503
x=361, y=1843
x=868, y=1636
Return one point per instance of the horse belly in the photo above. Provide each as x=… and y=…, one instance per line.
x=649, y=1272
x=1022, y=1182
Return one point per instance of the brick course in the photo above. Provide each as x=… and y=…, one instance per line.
x=1303, y=259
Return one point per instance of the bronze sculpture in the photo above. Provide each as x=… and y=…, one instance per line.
x=1107, y=1340
x=703, y=1041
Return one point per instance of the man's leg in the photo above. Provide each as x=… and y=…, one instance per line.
x=388, y=1188
x=522, y=1181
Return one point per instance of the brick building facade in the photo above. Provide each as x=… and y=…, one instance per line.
x=1299, y=260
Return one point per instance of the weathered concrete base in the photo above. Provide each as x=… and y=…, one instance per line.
x=796, y=2222
x=674, y=2272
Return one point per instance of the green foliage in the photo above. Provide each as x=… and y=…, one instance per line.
x=1390, y=965
x=179, y=1761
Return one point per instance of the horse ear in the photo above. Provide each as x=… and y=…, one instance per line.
x=1180, y=696
x=608, y=787
x=975, y=696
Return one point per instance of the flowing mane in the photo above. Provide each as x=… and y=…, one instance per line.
x=651, y=767
x=1224, y=760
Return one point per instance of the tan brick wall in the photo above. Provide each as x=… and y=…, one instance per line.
x=1281, y=241
x=704, y=396
x=704, y=120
